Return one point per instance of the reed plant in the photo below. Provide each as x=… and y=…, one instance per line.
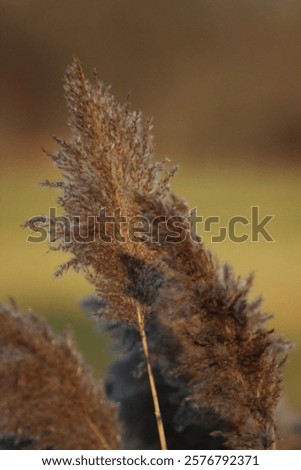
x=199, y=370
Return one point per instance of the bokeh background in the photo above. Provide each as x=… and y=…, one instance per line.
x=222, y=80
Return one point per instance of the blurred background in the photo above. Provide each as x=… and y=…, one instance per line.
x=222, y=81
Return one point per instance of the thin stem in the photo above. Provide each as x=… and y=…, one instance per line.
x=153, y=388
x=273, y=438
x=100, y=437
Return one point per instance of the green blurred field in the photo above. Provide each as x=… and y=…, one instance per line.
x=27, y=269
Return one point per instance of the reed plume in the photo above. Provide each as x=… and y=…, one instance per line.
x=48, y=397
x=106, y=164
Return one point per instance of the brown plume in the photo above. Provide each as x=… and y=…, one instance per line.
x=48, y=398
x=106, y=164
